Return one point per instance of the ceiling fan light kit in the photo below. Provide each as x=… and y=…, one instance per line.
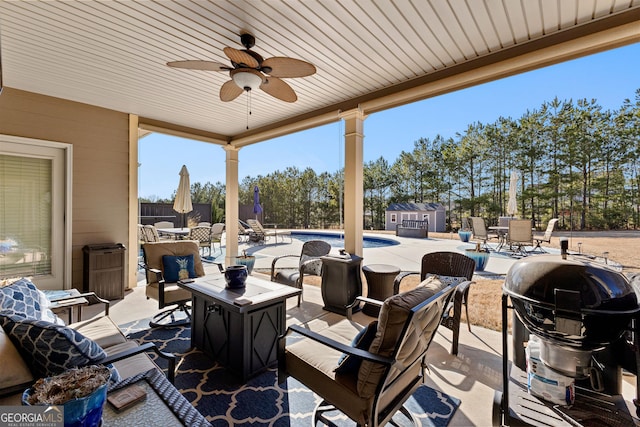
x=250, y=71
x=247, y=78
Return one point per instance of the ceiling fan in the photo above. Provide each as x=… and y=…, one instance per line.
x=248, y=71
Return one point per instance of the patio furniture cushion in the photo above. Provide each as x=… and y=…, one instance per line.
x=392, y=318
x=16, y=374
x=153, y=253
x=445, y=280
x=50, y=349
x=364, y=338
x=178, y=267
x=22, y=298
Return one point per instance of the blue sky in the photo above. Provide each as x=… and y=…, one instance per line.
x=609, y=77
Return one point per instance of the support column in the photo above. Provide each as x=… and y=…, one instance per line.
x=231, y=204
x=353, y=179
x=131, y=266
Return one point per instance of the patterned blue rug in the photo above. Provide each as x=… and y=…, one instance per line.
x=225, y=401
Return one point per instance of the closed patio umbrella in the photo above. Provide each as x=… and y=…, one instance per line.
x=512, y=206
x=182, y=203
x=257, y=209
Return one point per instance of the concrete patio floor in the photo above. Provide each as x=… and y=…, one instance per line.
x=472, y=376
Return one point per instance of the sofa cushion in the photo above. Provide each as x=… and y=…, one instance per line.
x=101, y=330
x=22, y=298
x=350, y=364
x=177, y=267
x=15, y=374
x=393, y=315
x=49, y=349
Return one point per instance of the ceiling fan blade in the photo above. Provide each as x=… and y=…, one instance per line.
x=288, y=67
x=230, y=91
x=241, y=58
x=278, y=89
x=199, y=65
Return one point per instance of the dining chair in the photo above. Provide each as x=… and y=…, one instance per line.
x=546, y=237
x=520, y=236
x=480, y=232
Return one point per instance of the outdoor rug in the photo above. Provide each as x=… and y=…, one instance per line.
x=225, y=401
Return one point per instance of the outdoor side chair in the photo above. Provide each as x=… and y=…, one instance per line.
x=216, y=235
x=453, y=266
x=202, y=235
x=520, y=236
x=368, y=381
x=157, y=256
x=309, y=263
x=546, y=237
x=480, y=232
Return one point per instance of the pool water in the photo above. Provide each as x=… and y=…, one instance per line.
x=336, y=240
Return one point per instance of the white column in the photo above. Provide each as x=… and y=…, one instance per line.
x=231, y=204
x=131, y=280
x=353, y=180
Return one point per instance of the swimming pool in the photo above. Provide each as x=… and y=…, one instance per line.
x=336, y=240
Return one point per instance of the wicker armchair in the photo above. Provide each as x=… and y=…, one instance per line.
x=451, y=264
x=309, y=263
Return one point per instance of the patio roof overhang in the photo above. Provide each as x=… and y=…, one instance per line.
x=370, y=56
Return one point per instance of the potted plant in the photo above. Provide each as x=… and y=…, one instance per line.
x=81, y=391
x=247, y=260
x=479, y=255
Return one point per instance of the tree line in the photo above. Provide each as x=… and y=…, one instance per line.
x=576, y=161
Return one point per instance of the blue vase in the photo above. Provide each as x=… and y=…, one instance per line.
x=83, y=412
x=236, y=275
x=464, y=235
x=480, y=257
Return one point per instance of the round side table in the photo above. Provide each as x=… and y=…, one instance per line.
x=380, y=279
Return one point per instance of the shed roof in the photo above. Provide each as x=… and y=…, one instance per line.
x=415, y=206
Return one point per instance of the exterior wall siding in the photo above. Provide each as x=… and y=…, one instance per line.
x=100, y=163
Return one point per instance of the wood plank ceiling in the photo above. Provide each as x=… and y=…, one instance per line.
x=113, y=54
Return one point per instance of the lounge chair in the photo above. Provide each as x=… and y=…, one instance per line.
x=259, y=233
x=244, y=231
x=546, y=237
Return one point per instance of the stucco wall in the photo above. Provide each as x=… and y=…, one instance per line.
x=100, y=162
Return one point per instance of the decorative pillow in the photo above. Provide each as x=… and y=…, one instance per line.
x=445, y=280
x=349, y=364
x=178, y=267
x=49, y=349
x=22, y=298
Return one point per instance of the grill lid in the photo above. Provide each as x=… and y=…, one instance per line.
x=573, y=302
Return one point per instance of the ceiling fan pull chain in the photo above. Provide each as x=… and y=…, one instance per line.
x=248, y=107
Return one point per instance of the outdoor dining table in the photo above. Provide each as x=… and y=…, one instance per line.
x=177, y=232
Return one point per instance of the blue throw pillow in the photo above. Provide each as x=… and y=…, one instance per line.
x=178, y=267
x=22, y=298
x=49, y=349
x=349, y=364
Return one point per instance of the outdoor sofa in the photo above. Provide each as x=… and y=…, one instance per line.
x=24, y=313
